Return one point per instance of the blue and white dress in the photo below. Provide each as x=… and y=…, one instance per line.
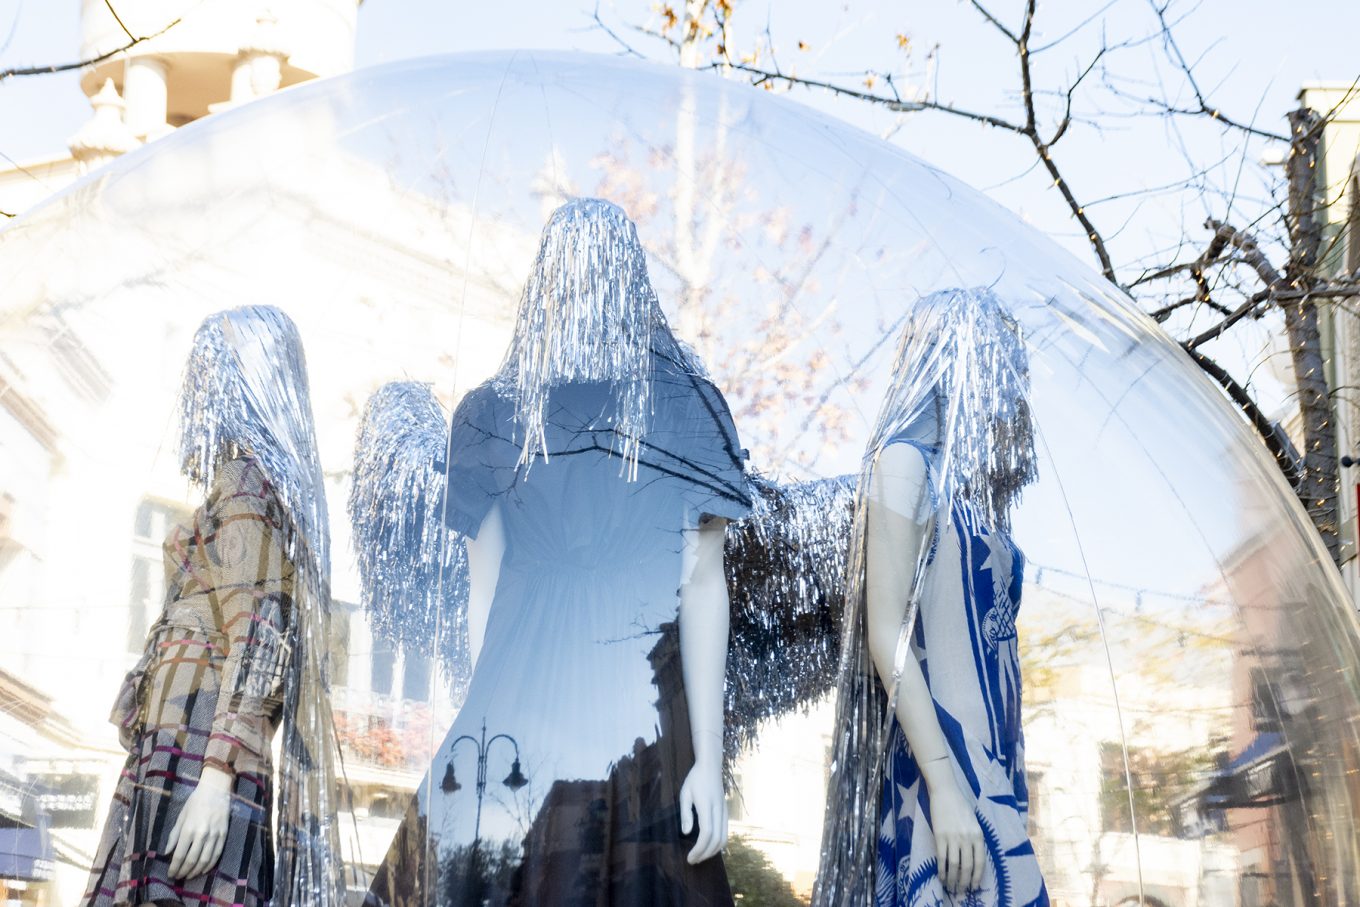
x=965, y=643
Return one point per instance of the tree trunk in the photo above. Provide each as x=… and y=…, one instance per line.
x=1318, y=478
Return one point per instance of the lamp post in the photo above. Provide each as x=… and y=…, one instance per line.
x=515, y=780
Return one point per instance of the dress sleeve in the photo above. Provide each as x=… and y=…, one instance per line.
x=483, y=456
x=708, y=456
x=245, y=531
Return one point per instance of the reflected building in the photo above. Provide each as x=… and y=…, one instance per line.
x=217, y=55
x=79, y=448
x=58, y=414
x=1106, y=760
x=569, y=834
x=1285, y=783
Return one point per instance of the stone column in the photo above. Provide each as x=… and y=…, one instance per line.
x=146, y=93
x=259, y=67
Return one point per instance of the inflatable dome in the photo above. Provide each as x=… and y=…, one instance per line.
x=1191, y=664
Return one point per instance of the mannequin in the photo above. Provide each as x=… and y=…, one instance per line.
x=236, y=653
x=928, y=804
x=898, y=496
x=591, y=480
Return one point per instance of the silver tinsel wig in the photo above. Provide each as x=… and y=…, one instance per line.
x=245, y=394
x=960, y=387
x=414, y=570
x=588, y=313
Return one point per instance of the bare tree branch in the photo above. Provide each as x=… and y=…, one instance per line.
x=996, y=23
x=1250, y=306
x=1245, y=243
x=119, y=19
x=1202, y=106
x=1270, y=433
x=17, y=71
x=627, y=49
x=1237, y=274
x=895, y=104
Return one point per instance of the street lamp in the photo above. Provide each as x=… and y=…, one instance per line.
x=515, y=780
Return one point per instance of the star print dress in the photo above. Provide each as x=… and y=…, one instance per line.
x=965, y=643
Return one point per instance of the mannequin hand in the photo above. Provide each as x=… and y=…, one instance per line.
x=702, y=792
x=200, y=833
x=958, y=837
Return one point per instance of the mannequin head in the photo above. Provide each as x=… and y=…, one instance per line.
x=588, y=313
x=961, y=385
x=245, y=393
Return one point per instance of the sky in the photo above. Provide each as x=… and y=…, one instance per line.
x=1250, y=58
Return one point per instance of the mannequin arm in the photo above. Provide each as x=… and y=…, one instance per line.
x=703, y=654
x=484, y=571
x=895, y=533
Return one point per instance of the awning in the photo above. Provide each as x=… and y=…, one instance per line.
x=25, y=853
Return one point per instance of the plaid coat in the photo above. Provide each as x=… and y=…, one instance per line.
x=207, y=691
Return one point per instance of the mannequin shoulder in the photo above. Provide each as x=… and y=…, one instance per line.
x=484, y=402
x=899, y=477
x=902, y=461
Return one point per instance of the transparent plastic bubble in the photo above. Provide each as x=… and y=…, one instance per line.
x=1191, y=663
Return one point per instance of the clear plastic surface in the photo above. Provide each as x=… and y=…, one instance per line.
x=1191, y=664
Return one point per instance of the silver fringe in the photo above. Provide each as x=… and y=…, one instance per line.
x=414, y=571
x=588, y=313
x=785, y=566
x=245, y=393
x=960, y=385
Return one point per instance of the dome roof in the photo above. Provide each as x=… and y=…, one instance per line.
x=1192, y=662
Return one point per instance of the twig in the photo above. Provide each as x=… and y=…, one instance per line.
x=1044, y=149
x=119, y=19
x=1252, y=255
x=1202, y=106
x=16, y=71
x=627, y=48
x=894, y=104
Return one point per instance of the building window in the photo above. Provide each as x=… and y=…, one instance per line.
x=384, y=660
x=1265, y=706
x=146, y=593
x=385, y=806
x=1034, y=782
x=415, y=682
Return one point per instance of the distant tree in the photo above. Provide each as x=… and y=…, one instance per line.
x=480, y=873
x=755, y=882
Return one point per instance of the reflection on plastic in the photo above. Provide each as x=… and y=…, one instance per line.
x=1189, y=657
x=414, y=574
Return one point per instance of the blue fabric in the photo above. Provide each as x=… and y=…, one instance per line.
x=967, y=649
